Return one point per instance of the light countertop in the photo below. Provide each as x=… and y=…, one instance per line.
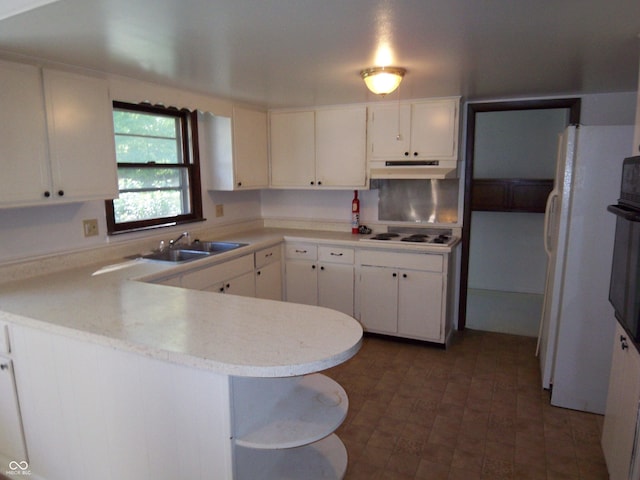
x=227, y=334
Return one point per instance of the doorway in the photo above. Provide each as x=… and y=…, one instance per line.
x=510, y=165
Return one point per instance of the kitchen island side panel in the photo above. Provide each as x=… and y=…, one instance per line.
x=90, y=411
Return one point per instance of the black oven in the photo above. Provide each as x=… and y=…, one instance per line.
x=624, y=292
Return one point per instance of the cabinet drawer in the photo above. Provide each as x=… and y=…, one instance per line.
x=205, y=277
x=431, y=262
x=5, y=347
x=267, y=256
x=335, y=254
x=302, y=251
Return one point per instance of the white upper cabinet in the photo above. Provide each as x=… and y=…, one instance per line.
x=341, y=151
x=81, y=141
x=23, y=136
x=293, y=152
x=236, y=150
x=425, y=130
x=56, y=137
x=325, y=148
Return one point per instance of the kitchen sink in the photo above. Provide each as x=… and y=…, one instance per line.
x=213, y=247
x=192, y=251
x=176, y=255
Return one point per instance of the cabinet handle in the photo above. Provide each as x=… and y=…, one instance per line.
x=47, y=194
x=4, y=366
x=624, y=345
x=60, y=193
x=336, y=254
x=301, y=251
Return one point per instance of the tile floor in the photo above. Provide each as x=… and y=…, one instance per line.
x=474, y=411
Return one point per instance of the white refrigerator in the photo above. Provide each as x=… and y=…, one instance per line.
x=577, y=324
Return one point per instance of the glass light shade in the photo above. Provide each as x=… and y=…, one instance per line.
x=382, y=80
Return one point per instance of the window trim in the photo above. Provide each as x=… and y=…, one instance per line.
x=191, y=162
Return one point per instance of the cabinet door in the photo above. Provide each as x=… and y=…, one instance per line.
x=292, y=137
x=335, y=287
x=433, y=129
x=243, y=285
x=251, y=159
x=301, y=282
x=379, y=299
x=82, y=146
x=269, y=281
x=23, y=136
x=11, y=436
x=390, y=131
x=420, y=304
x=619, y=428
x=341, y=146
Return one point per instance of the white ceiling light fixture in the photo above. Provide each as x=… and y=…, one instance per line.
x=382, y=80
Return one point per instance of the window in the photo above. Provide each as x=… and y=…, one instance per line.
x=158, y=168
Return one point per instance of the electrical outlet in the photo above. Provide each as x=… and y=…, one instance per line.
x=219, y=210
x=90, y=227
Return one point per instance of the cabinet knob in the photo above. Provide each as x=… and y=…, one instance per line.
x=313, y=267
x=60, y=193
x=321, y=268
x=258, y=272
x=221, y=289
x=228, y=285
x=395, y=275
x=319, y=182
x=415, y=154
x=47, y=194
x=404, y=275
x=406, y=154
x=4, y=366
x=311, y=182
x=239, y=184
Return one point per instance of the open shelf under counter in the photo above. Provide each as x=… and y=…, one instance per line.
x=324, y=459
x=282, y=413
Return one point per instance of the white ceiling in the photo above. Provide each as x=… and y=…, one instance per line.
x=288, y=53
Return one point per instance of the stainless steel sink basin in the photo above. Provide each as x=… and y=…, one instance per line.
x=176, y=255
x=193, y=251
x=214, y=247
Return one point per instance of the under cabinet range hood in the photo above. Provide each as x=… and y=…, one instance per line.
x=414, y=169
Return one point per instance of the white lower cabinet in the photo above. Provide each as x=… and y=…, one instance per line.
x=12, y=446
x=283, y=427
x=268, y=273
x=320, y=275
x=403, y=294
x=621, y=416
x=235, y=277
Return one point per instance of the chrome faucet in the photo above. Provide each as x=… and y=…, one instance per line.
x=186, y=235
